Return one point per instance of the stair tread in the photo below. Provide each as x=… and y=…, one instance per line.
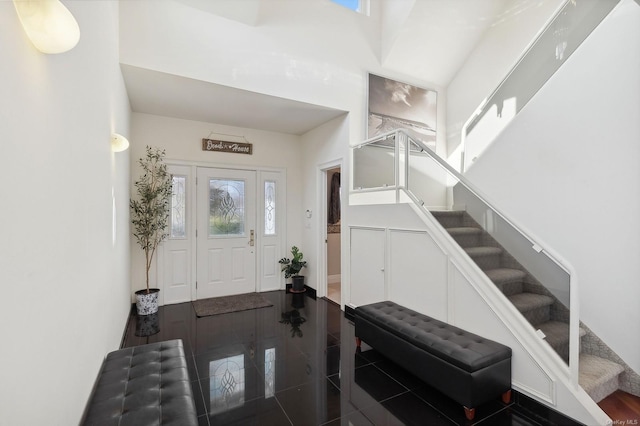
x=527, y=301
x=557, y=332
x=482, y=251
x=505, y=275
x=447, y=212
x=595, y=371
x=464, y=230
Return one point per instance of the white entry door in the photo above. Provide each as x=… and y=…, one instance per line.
x=226, y=219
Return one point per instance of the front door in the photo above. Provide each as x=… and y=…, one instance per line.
x=226, y=218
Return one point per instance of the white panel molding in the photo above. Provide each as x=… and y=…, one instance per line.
x=423, y=293
x=355, y=292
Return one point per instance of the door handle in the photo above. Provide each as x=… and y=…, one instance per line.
x=252, y=238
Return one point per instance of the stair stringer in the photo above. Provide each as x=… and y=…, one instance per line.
x=477, y=305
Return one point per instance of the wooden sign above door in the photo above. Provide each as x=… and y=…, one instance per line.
x=225, y=146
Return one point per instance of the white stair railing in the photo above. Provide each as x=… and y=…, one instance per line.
x=396, y=149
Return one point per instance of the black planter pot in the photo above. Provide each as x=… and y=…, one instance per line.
x=297, y=300
x=297, y=284
x=147, y=325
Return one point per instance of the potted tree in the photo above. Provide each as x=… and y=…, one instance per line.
x=291, y=268
x=150, y=217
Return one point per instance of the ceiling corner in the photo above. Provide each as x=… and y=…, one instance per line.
x=394, y=13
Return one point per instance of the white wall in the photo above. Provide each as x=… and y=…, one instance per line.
x=496, y=53
x=308, y=51
x=64, y=247
x=328, y=143
x=566, y=168
x=182, y=140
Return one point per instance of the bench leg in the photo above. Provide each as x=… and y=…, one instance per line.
x=506, y=397
x=469, y=413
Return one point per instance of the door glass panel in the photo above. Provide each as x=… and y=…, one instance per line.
x=226, y=384
x=226, y=207
x=178, y=207
x=269, y=207
x=269, y=372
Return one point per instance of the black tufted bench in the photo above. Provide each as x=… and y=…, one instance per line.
x=466, y=367
x=143, y=385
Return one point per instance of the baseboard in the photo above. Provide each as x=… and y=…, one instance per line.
x=349, y=312
x=310, y=292
x=545, y=413
x=126, y=325
x=332, y=279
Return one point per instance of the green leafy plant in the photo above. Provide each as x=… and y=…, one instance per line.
x=293, y=318
x=291, y=267
x=150, y=211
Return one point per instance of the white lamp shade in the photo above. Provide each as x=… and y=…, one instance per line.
x=118, y=143
x=48, y=24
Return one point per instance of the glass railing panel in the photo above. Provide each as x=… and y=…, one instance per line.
x=571, y=26
x=374, y=165
x=433, y=183
x=427, y=180
x=545, y=270
x=401, y=145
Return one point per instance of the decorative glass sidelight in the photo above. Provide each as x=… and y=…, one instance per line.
x=226, y=384
x=269, y=372
x=178, y=208
x=269, y=207
x=226, y=207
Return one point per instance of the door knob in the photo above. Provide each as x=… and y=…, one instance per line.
x=252, y=238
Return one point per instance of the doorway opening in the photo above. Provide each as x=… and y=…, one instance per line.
x=333, y=235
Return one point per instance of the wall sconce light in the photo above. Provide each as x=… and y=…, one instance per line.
x=118, y=143
x=48, y=24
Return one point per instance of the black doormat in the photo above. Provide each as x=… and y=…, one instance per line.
x=227, y=304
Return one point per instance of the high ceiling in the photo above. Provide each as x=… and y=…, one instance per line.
x=420, y=37
x=197, y=100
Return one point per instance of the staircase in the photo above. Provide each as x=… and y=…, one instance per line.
x=599, y=377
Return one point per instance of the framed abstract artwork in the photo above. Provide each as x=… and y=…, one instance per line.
x=395, y=105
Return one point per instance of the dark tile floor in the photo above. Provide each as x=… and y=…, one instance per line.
x=248, y=368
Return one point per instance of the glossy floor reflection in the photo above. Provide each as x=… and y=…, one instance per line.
x=269, y=367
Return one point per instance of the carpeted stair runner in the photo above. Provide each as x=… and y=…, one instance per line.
x=598, y=376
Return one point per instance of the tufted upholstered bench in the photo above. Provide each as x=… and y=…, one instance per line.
x=466, y=367
x=143, y=385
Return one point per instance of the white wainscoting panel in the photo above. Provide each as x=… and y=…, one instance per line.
x=418, y=273
x=367, y=265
